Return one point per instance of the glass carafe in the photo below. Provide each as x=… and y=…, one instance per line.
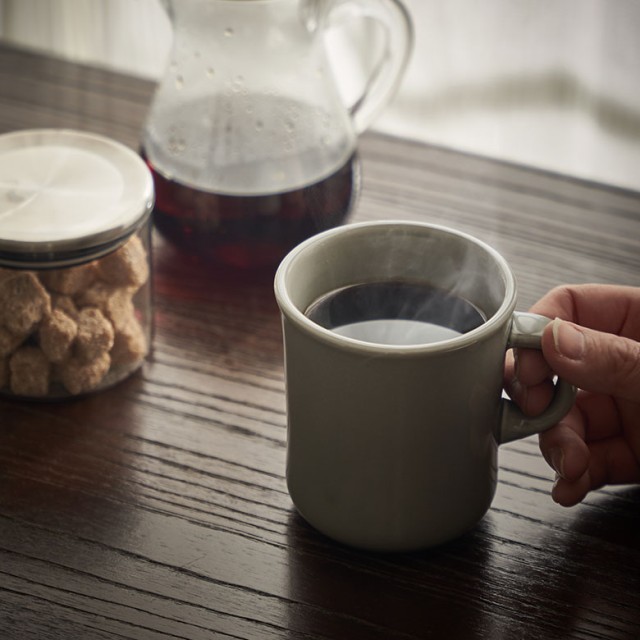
x=249, y=139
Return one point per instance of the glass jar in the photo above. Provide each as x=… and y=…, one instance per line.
x=75, y=268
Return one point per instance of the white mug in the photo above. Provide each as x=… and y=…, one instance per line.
x=393, y=447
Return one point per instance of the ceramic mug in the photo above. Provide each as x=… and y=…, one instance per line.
x=394, y=447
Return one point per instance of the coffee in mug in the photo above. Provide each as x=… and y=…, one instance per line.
x=395, y=312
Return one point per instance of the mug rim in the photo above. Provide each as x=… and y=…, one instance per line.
x=289, y=310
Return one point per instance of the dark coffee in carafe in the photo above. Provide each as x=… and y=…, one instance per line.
x=251, y=230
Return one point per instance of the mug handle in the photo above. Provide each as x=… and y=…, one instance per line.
x=384, y=79
x=526, y=332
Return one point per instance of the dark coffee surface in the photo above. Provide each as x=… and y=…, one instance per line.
x=394, y=300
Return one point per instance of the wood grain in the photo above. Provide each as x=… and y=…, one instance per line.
x=158, y=509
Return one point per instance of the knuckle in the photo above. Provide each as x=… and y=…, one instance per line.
x=558, y=302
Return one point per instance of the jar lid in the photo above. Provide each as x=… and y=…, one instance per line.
x=68, y=196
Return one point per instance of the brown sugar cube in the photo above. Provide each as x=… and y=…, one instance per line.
x=64, y=303
x=130, y=344
x=56, y=334
x=8, y=342
x=95, y=334
x=29, y=372
x=127, y=266
x=24, y=302
x=78, y=376
x=119, y=308
x=115, y=302
x=69, y=281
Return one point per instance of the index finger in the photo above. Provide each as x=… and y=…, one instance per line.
x=609, y=308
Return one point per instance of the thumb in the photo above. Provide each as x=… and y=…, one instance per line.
x=593, y=360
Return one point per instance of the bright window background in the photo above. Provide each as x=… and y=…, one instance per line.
x=553, y=84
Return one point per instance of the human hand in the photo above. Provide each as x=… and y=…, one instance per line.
x=593, y=343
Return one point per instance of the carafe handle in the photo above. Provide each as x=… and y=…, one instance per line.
x=384, y=79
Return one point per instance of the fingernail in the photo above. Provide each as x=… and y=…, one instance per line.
x=567, y=340
x=557, y=461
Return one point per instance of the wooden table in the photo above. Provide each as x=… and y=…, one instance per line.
x=158, y=509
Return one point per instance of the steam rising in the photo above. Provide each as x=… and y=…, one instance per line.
x=405, y=284
x=395, y=313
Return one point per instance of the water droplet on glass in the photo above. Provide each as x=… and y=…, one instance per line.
x=259, y=125
x=210, y=72
x=236, y=84
x=179, y=82
x=289, y=125
x=228, y=32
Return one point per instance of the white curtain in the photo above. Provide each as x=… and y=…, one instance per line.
x=128, y=35
x=549, y=83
